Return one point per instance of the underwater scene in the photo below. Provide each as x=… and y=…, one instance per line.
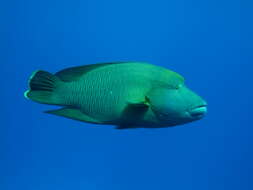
x=126, y=95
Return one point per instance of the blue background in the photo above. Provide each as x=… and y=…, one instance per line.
x=208, y=42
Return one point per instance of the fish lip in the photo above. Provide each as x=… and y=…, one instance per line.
x=198, y=111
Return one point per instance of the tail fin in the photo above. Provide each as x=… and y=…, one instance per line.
x=42, y=87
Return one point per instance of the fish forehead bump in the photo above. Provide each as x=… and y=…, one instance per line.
x=167, y=77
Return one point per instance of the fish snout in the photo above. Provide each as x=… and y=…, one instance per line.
x=198, y=111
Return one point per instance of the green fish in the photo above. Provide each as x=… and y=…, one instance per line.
x=125, y=94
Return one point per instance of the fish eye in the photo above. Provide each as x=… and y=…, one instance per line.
x=174, y=87
x=178, y=86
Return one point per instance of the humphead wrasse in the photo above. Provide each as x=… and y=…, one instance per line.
x=125, y=94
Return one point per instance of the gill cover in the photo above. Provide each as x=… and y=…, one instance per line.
x=166, y=102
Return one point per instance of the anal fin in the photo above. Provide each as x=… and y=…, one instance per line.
x=73, y=113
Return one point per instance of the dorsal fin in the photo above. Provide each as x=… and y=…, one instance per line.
x=73, y=73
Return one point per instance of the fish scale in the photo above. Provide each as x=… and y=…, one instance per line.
x=106, y=91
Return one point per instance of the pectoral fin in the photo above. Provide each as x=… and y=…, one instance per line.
x=140, y=106
x=133, y=113
x=73, y=113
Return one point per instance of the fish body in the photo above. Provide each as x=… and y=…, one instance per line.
x=125, y=94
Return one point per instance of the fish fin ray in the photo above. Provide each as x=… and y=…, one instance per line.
x=42, y=87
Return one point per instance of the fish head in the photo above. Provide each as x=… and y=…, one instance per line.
x=179, y=105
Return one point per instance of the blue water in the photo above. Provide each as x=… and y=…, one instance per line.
x=209, y=42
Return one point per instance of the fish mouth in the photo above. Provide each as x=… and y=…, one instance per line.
x=199, y=111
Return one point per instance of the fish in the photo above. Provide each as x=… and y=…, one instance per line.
x=127, y=95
